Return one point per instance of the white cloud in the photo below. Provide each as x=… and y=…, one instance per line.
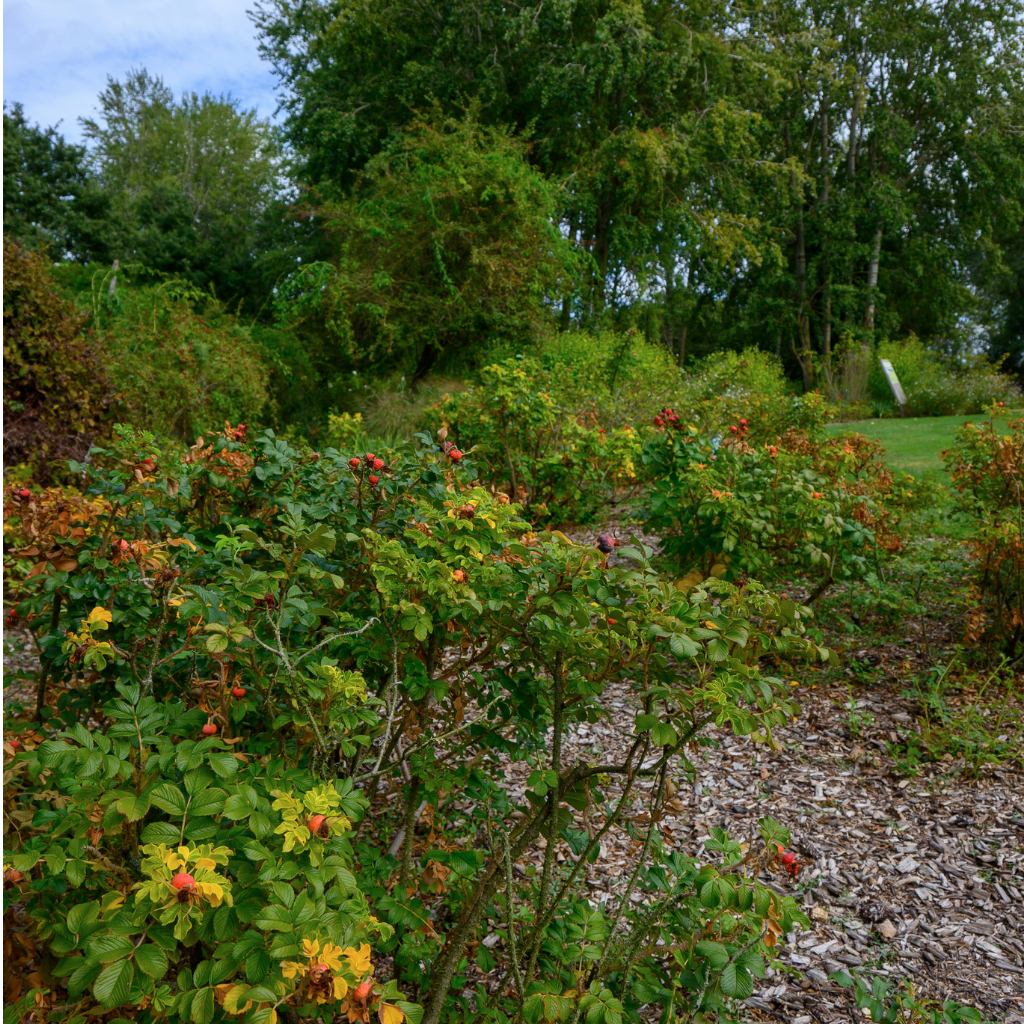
x=58, y=53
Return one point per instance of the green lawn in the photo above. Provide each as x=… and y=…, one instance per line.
x=913, y=444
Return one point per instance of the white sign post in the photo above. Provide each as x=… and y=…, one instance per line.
x=894, y=383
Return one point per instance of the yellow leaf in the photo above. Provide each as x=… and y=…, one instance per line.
x=100, y=615
x=359, y=960
x=232, y=999
x=310, y=947
x=212, y=892
x=331, y=956
x=111, y=901
x=390, y=1014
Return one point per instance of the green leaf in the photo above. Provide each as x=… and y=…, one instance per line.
x=112, y=986
x=206, y=803
x=275, y=918
x=202, y=1006
x=257, y=966
x=645, y=722
x=168, y=798
x=237, y=807
x=663, y=735
x=161, y=832
x=151, y=960
x=737, y=982
x=223, y=762
x=715, y=953
x=133, y=807
x=107, y=948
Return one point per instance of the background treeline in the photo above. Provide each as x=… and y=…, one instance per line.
x=454, y=183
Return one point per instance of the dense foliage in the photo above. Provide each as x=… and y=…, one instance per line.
x=269, y=639
x=56, y=389
x=811, y=181
x=987, y=467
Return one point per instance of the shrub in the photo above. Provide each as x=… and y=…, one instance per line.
x=449, y=244
x=181, y=364
x=987, y=469
x=936, y=388
x=730, y=386
x=555, y=460
x=730, y=508
x=351, y=628
x=56, y=389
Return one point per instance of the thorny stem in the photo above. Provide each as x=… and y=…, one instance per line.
x=44, y=671
x=659, y=795
x=451, y=954
x=554, y=799
x=410, y=828
x=513, y=952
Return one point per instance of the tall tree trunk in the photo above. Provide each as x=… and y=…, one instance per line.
x=851, y=152
x=681, y=345
x=876, y=250
x=567, y=297
x=826, y=342
x=803, y=321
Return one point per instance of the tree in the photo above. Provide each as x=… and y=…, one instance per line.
x=448, y=243
x=897, y=122
x=795, y=175
x=630, y=108
x=51, y=198
x=190, y=181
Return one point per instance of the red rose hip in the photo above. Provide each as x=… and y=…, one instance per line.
x=210, y=729
x=238, y=691
x=183, y=880
x=353, y=463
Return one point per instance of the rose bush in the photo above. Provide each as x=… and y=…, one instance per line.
x=987, y=468
x=358, y=627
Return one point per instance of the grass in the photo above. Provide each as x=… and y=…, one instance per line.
x=914, y=444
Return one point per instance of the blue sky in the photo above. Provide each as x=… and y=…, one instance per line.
x=58, y=53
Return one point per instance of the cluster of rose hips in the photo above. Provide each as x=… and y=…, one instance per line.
x=372, y=462
x=739, y=431
x=236, y=433
x=670, y=417
x=11, y=617
x=147, y=465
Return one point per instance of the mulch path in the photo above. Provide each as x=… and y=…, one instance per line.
x=916, y=878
